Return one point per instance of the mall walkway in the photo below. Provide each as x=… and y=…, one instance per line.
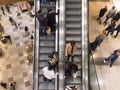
x=14, y=65
x=109, y=78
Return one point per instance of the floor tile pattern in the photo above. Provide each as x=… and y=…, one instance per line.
x=14, y=65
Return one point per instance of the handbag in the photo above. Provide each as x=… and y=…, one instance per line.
x=104, y=31
x=48, y=31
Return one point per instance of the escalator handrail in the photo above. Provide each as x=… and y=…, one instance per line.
x=36, y=50
x=85, y=84
x=57, y=40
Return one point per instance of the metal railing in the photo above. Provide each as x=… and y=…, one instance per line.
x=57, y=40
x=94, y=83
x=85, y=84
x=36, y=48
x=61, y=43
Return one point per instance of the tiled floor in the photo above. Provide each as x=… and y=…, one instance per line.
x=109, y=78
x=14, y=65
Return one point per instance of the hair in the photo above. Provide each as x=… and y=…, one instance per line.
x=11, y=84
x=105, y=6
x=26, y=28
x=50, y=67
x=72, y=42
x=49, y=9
x=113, y=7
x=40, y=11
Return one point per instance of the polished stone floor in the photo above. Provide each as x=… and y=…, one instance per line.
x=108, y=78
x=14, y=65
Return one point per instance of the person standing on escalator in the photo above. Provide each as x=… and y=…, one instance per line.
x=70, y=50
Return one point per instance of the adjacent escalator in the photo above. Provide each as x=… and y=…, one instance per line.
x=73, y=33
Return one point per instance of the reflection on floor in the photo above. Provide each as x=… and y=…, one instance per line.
x=14, y=65
x=109, y=78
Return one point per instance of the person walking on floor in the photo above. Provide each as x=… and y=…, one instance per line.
x=70, y=50
x=116, y=17
x=113, y=57
x=116, y=29
x=4, y=85
x=110, y=14
x=3, y=11
x=12, y=86
x=101, y=14
x=110, y=28
x=8, y=8
x=13, y=22
x=8, y=37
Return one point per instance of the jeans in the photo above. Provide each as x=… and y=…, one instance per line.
x=72, y=57
x=43, y=31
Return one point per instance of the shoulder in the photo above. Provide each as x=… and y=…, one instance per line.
x=45, y=68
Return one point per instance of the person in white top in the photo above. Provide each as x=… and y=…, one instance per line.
x=49, y=73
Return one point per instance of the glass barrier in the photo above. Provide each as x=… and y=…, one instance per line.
x=94, y=84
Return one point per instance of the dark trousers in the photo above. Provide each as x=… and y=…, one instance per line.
x=72, y=57
x=45, y=79
x=116, y=34
x=112, y=59
x=108, y=33
x=43, y=31
x=106, y=20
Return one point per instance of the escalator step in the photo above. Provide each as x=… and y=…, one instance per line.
x=46, y=86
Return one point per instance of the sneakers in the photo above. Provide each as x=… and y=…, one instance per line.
x=104, y=61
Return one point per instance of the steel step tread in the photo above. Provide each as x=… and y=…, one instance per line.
x=73, y=39
x=47, y=86
x=72, y=1
x=72, y=6
x=43, y=63
x=46, y=50
x=73, y=12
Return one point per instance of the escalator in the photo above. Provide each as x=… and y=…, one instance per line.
x=47, y=46
x=74, y=33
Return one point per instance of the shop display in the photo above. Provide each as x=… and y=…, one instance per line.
x=24, y=6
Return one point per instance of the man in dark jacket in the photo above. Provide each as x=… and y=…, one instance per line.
x=42, y=22
x=51, y=21
x=102, y=13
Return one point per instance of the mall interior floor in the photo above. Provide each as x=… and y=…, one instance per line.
x=14, y=66
x=108, y=78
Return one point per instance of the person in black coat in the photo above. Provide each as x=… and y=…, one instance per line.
x=42, y=22
x=9, y=38
x=116, y=29
x=8, y=8
x=102, y=13
x=51, y=21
